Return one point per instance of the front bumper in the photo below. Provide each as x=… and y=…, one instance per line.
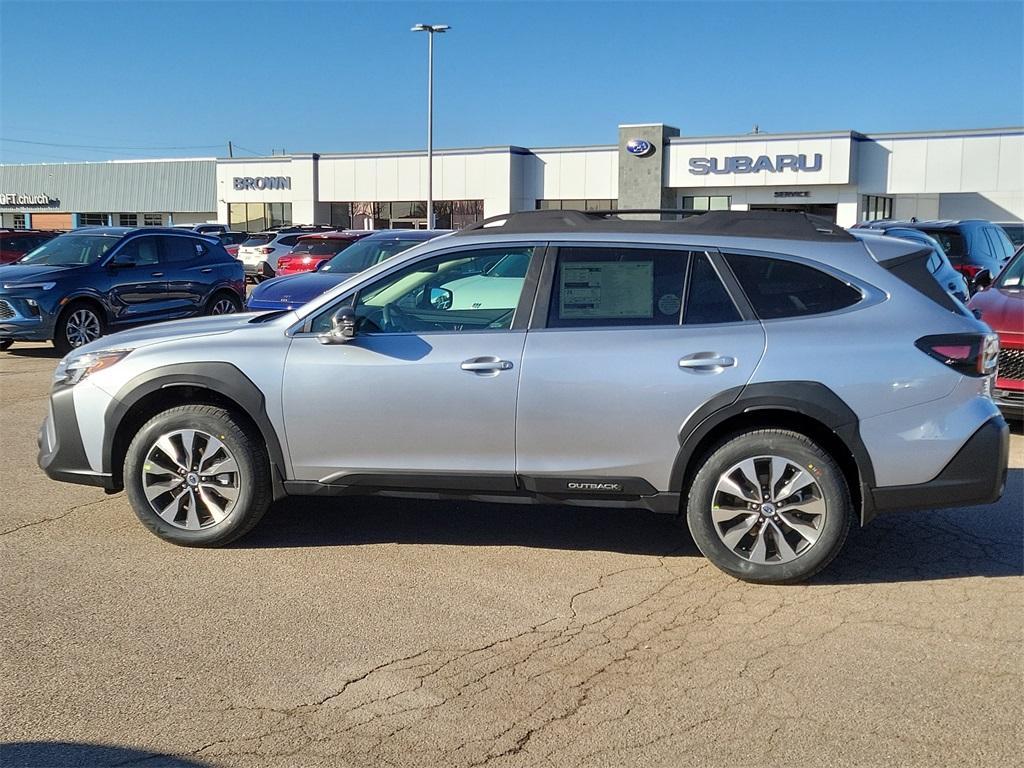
x=19, y=322
x=61, y=453
x=976, y=475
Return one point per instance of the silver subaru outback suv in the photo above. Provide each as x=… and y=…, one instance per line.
x=765, y=377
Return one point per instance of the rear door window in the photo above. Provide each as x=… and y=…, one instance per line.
x=707, y=300
x=619, y=286
x=780, y=288
x=952, y=242
x=181, y=250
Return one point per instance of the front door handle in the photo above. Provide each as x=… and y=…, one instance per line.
x=206, y=270
x=707, y=361
x=485, y=365
x=157, y=274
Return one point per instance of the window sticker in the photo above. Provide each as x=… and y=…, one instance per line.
x=669, y=304
x=592, y=289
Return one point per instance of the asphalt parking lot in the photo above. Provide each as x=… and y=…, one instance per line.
x=406, y=633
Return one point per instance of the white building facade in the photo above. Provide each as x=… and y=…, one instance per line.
x=844, y=175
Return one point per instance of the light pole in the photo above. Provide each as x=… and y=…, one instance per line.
x=430, y=29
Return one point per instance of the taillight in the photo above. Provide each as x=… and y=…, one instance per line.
x=265, y=249
x=972, y=354
x=969, y=270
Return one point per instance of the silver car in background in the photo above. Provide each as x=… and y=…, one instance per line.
x=765, y=377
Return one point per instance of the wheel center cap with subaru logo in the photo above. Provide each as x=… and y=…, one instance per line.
x=639, y=147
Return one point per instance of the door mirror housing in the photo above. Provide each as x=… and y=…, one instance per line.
x=982, y=280
x=343, y=327
x=441, y=298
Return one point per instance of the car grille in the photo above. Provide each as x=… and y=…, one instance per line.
x=6, y=310
x=1011, y=364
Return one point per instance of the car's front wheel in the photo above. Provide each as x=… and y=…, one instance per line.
x=769, y=506
x=198, y=476
x=5, y=344
x=79, y=323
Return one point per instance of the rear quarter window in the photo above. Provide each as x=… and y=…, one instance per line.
x=779, y=288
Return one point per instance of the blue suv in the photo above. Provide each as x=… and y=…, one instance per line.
x=83, y=284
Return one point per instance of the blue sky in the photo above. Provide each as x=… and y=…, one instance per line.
x=141, y=77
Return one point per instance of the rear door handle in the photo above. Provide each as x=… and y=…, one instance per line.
x=486, y=365
x=206, y=270
x=157, y=274
x=706, y=361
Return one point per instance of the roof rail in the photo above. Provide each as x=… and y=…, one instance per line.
x=784, y=225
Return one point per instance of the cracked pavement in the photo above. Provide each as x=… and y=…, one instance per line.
x=391, y=632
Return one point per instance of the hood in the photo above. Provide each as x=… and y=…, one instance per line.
x=295, y=290
x=1002, y=309
x=176, y=329
x=30, y=273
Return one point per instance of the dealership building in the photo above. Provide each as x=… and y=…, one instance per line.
x=844, y=175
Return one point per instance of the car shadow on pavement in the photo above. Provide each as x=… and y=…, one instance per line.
x=911, y=546
x=63, y=754
x=46, y=352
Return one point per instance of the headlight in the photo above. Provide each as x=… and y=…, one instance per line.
x=34, y=286
x=72, y=370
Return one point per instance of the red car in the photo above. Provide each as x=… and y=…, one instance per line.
x=1001, y=305
x=313, y=250
x=15, y=243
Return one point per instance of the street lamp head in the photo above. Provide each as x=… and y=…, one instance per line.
x=430, y=28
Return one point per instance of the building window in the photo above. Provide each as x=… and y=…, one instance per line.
x=256, y=217
x=874, y=207
x=128, y=219
x=92, y=219
x=406, y=214
x=706, y=203
x=595, y=204
x=153, y=219
x=19, y=221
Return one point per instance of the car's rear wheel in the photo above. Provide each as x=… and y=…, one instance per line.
x=79, y=323
x=198, y=476
x=769, y=506
x=223, y=304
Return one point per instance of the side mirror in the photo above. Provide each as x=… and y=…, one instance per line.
x=441, y=298
x=982, y=280
x=343, y=327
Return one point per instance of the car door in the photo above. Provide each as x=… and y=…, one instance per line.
x=189, y=274
x=627, y=341
x=425, y=394
x=137, y=289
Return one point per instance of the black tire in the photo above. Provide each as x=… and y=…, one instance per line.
x=246, y=447
x=5, y=344
x=61, y=342
x=217, y=298
x=791, y=446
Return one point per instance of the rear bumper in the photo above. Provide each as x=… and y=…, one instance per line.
x=975, y=475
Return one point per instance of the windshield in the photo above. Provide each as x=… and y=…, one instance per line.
x=322, y=247
x=71, y=250
x=366, y=253
x=952, y=242
x=261, y=239
x=1013, y=275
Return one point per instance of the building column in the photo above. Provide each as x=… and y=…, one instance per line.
x=75, y=221
x=28, y=220
x=642, y=176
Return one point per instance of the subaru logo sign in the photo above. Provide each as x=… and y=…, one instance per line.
x=639, y=147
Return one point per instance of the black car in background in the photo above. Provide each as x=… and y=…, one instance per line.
x=92, y=281
x=971, y=244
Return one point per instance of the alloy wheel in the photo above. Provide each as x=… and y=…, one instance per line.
x=223, y=307
x=768, y=509
x=82, y=327
x=191, y=479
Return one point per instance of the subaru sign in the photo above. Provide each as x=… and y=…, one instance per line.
x=702, y=166
x=639, y=147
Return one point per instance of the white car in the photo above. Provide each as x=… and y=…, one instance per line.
x=259, y=254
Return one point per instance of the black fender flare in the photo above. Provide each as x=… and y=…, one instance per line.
x=808, y=398
x=223, y=378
